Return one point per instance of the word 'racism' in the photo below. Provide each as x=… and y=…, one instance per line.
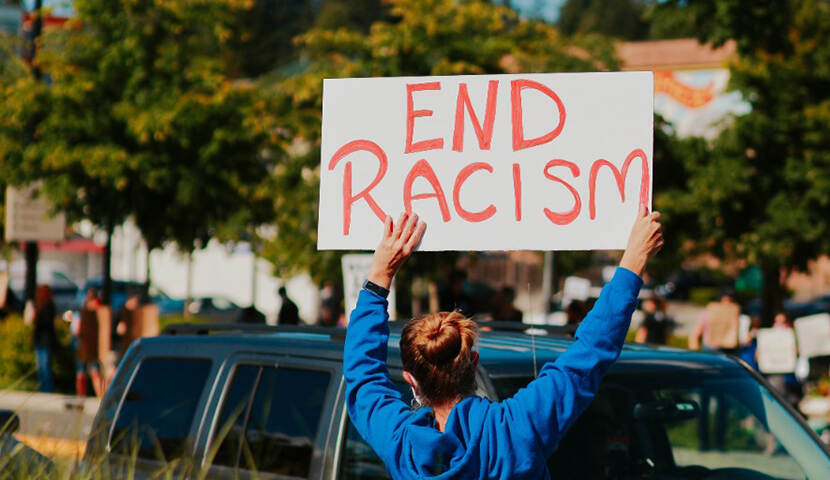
x=484, y=133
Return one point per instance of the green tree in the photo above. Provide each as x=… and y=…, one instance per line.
x=422, y=37
x=140, y=119
x=615, y=18
x=761, y=190
x=12, y=68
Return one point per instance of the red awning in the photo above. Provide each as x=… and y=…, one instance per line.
x=74, y=245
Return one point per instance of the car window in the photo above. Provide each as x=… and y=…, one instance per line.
x=701, y=424
x=358, y=460
x=278, y=427
x=231, y=422
x=158, y=408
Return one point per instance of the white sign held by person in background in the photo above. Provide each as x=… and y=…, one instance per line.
x=29, y=218
x=813, y=333
x=355, y=270
x=490, y=162
x=776, y=350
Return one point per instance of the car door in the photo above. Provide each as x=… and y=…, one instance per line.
x=152, y=428
x=272, y=419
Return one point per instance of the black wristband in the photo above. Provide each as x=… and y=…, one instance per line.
x=376, y=289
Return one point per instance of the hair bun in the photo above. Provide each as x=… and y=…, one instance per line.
x=442, y=341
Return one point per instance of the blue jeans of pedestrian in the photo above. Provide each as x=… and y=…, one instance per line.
x=43, y=357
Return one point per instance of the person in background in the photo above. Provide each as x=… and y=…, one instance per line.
x=725, y=311
x=123, y=324
x=503, y=309
x=786, y=383
x=84, y=363
x=453, y=296
x=749, y=347
x=656, y=325
x=289, y=314
x=330, y=305
x=45, y=339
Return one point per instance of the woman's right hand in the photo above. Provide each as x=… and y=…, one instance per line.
x=397, y=244
x=645, y=241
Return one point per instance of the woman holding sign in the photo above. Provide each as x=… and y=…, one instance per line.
x=460, y=435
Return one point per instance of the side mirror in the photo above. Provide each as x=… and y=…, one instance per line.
x=9, y=422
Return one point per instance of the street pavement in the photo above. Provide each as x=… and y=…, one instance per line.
x=53, y=424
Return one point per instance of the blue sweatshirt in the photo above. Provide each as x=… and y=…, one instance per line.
x=482, y=439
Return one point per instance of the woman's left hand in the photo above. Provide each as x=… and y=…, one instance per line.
x=397, y=244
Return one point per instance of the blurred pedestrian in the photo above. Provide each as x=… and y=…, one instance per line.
x=748, y=351
x=330, y=305
x=124, y=321
x=453, y=297
x=717, y=327
x=45, y=339
x=84, y=330
x=502, y=309
x=289, y=314
x=656, y=325
x=786, y=383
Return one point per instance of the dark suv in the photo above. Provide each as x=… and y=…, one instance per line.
x=243, y=402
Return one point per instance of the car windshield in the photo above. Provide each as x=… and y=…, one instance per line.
x=695, y=425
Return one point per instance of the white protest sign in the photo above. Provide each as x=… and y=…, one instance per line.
x=813, y=333
x=355, y=270
x=28, y=216
x=490, y=162
x=776, y=350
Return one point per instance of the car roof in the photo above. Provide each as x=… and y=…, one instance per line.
x=500, y=353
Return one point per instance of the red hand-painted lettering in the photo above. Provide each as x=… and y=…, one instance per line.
x=570, y=216
x=619, y=177
x=412, y=114
x=423, y=169
x=517, y=190
x=456, y=191
x=484, y=134
x=348, y=198
x=519, y=141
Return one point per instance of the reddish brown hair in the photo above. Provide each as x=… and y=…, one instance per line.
x=43, y=296
x=437, y=349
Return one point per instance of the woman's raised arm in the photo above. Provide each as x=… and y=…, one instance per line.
x=375, y=406
x=540, y=414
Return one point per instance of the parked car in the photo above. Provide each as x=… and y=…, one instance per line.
x=679, y=285
x=122, y=289
x=52, y=273
x=217, y=309
x=236, y=401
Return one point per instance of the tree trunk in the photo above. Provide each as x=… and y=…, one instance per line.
x=106, y=274
x=146, y=293
x=188, y=294
x=772, y=293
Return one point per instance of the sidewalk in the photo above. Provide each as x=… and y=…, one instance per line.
x=53, y=424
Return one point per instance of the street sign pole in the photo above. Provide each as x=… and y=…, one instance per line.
x=32, y=252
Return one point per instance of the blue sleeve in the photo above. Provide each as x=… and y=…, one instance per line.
x=540, y=414
x=375, y=406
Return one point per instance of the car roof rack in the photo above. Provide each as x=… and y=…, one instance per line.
x=515, y=327
x=338, y=333
x=335, y=333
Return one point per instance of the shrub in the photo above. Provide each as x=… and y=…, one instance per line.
x=17, y=358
